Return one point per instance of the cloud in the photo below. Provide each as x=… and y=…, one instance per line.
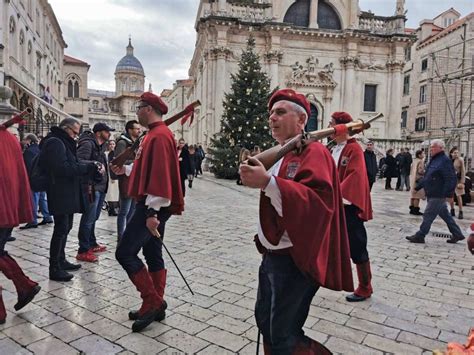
x=163, y=33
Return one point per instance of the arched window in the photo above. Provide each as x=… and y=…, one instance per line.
x=312, y=124
x=327, y=17
x=73, y=86
x=298, y=13
x=95, y=104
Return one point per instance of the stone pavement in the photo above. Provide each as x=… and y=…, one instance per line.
x=424, y=294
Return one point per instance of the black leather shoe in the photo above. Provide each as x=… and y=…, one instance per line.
x=44, y=222
x=454, y=240
x=415, y=239
x=66, y=265
x=144, y=321
x=60, y=275
x=133, y=315
x=29, y=226
x=355, y=298
x=25, y=299
x=11, y=239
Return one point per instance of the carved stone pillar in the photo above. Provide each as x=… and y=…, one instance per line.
x=222, y=5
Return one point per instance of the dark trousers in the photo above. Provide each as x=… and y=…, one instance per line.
x=388, y=182
x=136, y=237
x=183, y=185
x=5, y=233
x=357, y=235
x=62, y=227
x=371, y=183
x=283, y=300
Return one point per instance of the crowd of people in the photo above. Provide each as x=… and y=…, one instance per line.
x=76, y=172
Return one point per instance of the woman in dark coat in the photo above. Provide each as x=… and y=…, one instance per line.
x=391, y=170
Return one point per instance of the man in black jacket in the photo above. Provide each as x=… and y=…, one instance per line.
x=58, y=158
x=370, y=163
x=439, y=183
x=91, y=148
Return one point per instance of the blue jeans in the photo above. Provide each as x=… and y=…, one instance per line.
x=437, y=207
x=283, y=299
x=127, y=207
x=39, y=198
x=136, y=237
x=86, y=234
x=405, y=180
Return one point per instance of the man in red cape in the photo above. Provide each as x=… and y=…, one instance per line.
x=350, y=161
x=301, y=233
x=15, y=208
x=155, y=185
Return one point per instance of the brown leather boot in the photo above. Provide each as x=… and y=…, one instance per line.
x=364, y=290
x=25, y=287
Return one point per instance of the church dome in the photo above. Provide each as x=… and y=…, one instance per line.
x=129, y=63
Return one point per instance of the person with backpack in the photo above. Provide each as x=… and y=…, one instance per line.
x=58, y=159
x=39, y=197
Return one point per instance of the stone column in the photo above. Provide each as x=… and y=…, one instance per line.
x=222, y=5
x=348, y=63
x=395, y=110
x=273, y=58
x=220, y=53
x=313, y=14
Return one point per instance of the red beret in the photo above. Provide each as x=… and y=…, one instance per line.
x=154, y=101
x=341, y=117
x=290, y=95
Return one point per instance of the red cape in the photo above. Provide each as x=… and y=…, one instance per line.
x=353, y=178
x=313, y=216
x=15, y=192
x=155, y=169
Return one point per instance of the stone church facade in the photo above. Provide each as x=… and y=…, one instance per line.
x=340, y=57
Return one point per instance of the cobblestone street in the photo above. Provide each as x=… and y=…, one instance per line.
x=423, y=293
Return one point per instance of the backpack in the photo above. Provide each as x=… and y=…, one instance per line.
x=39, y=179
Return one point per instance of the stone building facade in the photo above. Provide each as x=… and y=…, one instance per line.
x=31, y=60
x=340, y=57
x=76, y=101
x=437, y=82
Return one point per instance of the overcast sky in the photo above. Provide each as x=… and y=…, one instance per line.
x=163, y=34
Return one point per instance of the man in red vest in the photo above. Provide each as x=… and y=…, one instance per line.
x=301, y=232
x=350, y=161
x=155, y=185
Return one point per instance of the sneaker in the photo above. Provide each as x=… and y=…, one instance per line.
x=415, y=239
x=87, y=256
x=454, y=240
x=98, y=249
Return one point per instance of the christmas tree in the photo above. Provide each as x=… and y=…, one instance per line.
x=244, y=123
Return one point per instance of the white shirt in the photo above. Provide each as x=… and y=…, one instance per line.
x=272, y=191
x=336, y=154
x=155, y=202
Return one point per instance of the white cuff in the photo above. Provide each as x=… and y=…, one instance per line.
x=156, y=202
x=128, y=169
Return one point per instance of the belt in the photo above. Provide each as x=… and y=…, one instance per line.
x=285, y=251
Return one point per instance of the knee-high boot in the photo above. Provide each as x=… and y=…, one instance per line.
x=3, y=312
x=25, y=287
x=364, y=290
x=150, y=304
x=159, y=281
